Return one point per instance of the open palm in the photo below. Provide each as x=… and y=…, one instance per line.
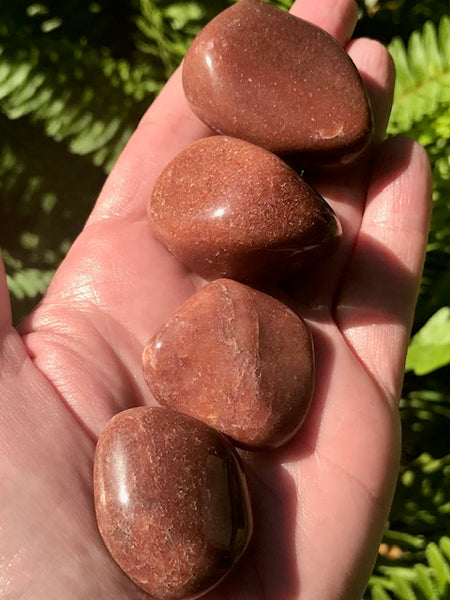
x=321, y=502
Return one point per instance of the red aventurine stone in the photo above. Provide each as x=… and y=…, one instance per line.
x=171, y=501
x=227, y=208
x=237, y=359
x=258, y=73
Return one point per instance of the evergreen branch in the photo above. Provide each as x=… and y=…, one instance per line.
x=29, y=283
x=86, y=99
x=423, y=75
x=429, y=580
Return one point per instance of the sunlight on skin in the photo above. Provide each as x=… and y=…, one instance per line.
x=398, y=211
x=322, y=501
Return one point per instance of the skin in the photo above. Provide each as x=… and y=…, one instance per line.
x=321, y=503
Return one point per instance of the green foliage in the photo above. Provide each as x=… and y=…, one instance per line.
x=69, y=100
x=423, y=76
x=167, y=30
x=29, y=283
x=430, y=347
x=385, y=19
x=422, y=581
x=72, y=93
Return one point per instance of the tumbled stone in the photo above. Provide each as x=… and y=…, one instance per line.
x=260, y=74
x=237, y=359
x=171, y=501
x=227, y=208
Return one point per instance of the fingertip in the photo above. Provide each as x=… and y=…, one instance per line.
x=337, y=17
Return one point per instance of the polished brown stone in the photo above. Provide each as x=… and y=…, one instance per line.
x=227, y=208
x=171, y=501
x=258, y=73
x=237, y=359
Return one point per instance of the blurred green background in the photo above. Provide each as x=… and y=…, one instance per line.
x=76, y=76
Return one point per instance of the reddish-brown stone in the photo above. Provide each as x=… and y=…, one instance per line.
x=237, y=359
x=171, y=501
x=227, y=208
x=260, y=74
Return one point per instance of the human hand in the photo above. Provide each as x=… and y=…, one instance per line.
x=321, y=502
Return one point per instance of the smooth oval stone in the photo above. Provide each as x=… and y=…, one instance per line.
x=227, y=208
x=260, y=74
x=237, y=359
x=171, y=501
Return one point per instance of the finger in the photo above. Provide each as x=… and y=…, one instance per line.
x=5, y=305
x=346, y=190
x=169, y=125
x=377, y=70
x=376, y=304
